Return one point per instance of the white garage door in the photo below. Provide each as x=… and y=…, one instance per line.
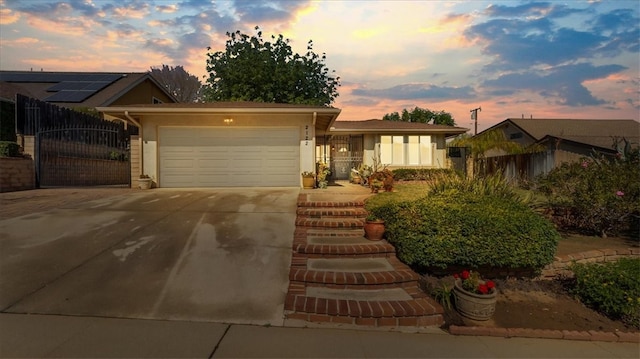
x=229, y=157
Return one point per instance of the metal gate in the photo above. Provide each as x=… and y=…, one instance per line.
x=73, y=148
x=459, y=156
x=82, y=157
x=345, y=153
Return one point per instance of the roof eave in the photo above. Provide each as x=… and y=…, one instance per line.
x=137, y=111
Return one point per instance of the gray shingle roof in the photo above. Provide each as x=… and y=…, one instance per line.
x=592, y=132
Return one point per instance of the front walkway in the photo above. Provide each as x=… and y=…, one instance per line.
x=337, y=276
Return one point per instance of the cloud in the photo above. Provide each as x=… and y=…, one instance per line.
x=168, y=9
x=417, y=91
x=514, y=44
x=261, y=12
x=562, y=83
x=531, y=10
x=8, y=17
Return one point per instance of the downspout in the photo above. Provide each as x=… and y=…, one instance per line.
x=133, y=120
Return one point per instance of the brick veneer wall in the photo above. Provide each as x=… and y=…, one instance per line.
x=561, y=264
x=16, y=174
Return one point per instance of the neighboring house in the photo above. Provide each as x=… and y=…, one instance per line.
x=84, y=89
x=264, y=144
x=565, y=140
x=394, y=144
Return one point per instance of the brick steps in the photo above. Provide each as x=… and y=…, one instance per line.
x=338, y=276
x=332, y=212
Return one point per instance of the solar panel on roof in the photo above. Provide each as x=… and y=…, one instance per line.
x=56, y=77
x=78, y=85
x=69, y=96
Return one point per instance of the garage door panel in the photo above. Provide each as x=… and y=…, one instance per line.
x=212, y=164
x=178, y=163
x=212, y=157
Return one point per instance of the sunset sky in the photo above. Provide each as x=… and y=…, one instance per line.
x=569, y=59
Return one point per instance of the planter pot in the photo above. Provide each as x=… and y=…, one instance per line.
x=144, y=183
x=474, y=306
x=308, y=182
x=374, y=230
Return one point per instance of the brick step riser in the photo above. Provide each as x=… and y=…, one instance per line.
x=343, y=284
x=361, y=309
x=331, y=213
x=330, y=204
x=329, y=224
x=301, y=274
x=381, y=254
x=396, y=322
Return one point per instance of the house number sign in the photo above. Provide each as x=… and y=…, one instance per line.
x=306, y=135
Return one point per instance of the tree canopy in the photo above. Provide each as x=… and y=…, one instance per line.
x=494, y=139
x=178, y=82
x=250, y=69
x=422, y=115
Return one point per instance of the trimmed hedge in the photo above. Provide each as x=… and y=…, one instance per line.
x=463, y=229
x=611, y=288
x=421, y=174
x=9, y=149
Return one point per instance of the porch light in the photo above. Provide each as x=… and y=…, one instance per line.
x=342, y=149
x=228, y=121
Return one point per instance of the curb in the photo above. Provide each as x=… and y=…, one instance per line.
x=591, y=335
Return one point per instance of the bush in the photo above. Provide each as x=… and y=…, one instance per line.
x=493, y=185
x=612, y=288
x=456, y=228
x=9, y=149
x=596, y=196
x=421, y=174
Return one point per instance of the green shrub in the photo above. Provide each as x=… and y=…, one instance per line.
x=612, y=288
x=596, y=196
x=456, y=228
x=494, y=185
x=421, y=174
x=9, y=149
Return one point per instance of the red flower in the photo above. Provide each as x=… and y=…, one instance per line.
x=483, y=289
x=490, y=284
x=465, y=274
x=456, y=276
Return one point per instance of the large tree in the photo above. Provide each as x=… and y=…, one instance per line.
x=250, y=69
x=422, y=115
x=178, y=82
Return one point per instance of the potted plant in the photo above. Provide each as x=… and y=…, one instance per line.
x=323, y=172
x=308, y=180
x=355, y=176
x=364, y=171
x=474, y=297
x=373, y=228
x=144, y=182
x=375, y=184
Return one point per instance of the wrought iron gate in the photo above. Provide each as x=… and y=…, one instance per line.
x=73, y=148
x=344, y=153
x=82, y=157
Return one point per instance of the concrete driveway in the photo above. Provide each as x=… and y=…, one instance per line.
x=219, y=255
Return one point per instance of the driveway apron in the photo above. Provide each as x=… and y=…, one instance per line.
x=219, y=255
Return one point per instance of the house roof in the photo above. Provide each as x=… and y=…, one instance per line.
x=599, y=133
x=323, y=116
x=386, y=126
x=73, y=89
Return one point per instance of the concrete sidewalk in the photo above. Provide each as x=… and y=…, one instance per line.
x=73, y=337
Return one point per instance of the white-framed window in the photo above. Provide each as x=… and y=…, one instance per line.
x=405, y=150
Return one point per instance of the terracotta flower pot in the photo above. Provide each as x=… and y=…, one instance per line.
x=374, y=230
x=474, y=306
